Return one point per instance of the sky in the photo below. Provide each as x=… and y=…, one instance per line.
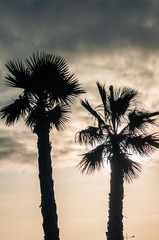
x=111, y=41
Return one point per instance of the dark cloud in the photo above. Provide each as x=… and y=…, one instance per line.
x=14, y=150
x=90, y=35
x=78, y=25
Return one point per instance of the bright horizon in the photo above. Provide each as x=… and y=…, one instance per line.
x=113, y=42
x=82, y=204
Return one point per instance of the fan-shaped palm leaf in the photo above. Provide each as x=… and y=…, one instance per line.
x=93, y=112
x=59, y=116
x=15, y=110
x=124, y=102
x=92, y=160
x=48, y=71
x=20, y=75
x=45, y=73
x=51, y=73
x=139, y=121
x=120, y=101
x=103, y=95
x=34, y=116
x=143, y=144
x=131, y=169
x=91, y=135
x=67, y=90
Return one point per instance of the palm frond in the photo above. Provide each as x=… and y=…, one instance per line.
x=59, y=116
x=122, y=162
x=126, y=97
x=68, y=90
x=15, y=110
x=112, y=106
x=143, y=144
x=103, y=95
x=111, y=93
x=92, y=160
x=45, y=71
x=131, y=169
x=93, y=112
x=19, y=76
x=39, y=60
x=51, y=73
x=33, y=117
x=139, y=121
x=121, y=100
x=91, y=136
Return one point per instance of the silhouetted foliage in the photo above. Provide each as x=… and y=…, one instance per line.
x=48, y=89
x=121, y=129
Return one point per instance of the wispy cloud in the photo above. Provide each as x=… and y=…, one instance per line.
x=16, y=146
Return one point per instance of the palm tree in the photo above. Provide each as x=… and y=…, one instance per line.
x=48, y=89
x=121, y=130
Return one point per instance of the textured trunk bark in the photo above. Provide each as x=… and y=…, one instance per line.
x=115, y=223
x=48, y=204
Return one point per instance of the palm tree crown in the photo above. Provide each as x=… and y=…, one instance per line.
x=121, y=130
x=48, y=87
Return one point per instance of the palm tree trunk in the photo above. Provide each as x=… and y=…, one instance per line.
x=115, y=224
x=48, y=204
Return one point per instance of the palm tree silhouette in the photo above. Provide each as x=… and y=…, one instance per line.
x=48, y=90
x=122, y=129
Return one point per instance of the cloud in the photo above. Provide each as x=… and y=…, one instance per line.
x=110, y=41
x=15, y=147
x=86, y=25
